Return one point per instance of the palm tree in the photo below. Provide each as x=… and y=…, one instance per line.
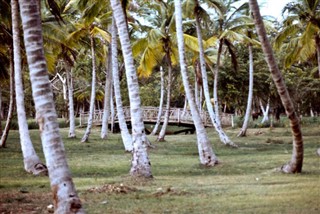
x=65, y=197
x=141, y=166
x=302, y=26
x=206, y=154
x=32, y=162
x=295, y=164
x=126, y=136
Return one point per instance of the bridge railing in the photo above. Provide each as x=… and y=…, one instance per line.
x=150, y=114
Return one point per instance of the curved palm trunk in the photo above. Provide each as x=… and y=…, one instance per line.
x=86, y=135
x=213, y=115
x=107, y=95
x=32, y=163
x=72, y=119
x=155, y=129
x=296, y=162
x=126, y=136
x=167, y=114
x=206, y=155
x=6, y=130
x=141, y=166
x=244, y=128
x=65, y=196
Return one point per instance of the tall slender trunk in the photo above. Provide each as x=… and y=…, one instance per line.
x=86, y=135
x=31, y=161
x=65, y=196
x=167, y=114
x=6, y=130
x=213, y=115
x=72, y=128
x=206, y=155
x=318, y=52
x=140, y=164
x=126, y=136
x=296, y=162
x=107, y=95
x=244, y=128
x=0, y=111
x=156, y=126
x=215, y=84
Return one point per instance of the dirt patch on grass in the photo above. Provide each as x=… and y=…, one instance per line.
x=113, y=188
x=24, y=202
x=169, y=191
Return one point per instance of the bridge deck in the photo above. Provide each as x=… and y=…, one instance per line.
x=150, y=114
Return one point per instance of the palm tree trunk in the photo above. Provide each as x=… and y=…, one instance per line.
x=206, y=155
x=213, y=115
x=155, y=129
x=86, y=135
x=126, y=136
x=244, y=128
x=72, y=128
x=140, y=165
x=296, y=162
x=107, y=95
x=32, y=163
x=167, y=114
x=6, y=130
x=215, y=84
x=65, y=196
x=0, y=111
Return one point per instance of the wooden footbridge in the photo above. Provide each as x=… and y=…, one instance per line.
x=178, y=116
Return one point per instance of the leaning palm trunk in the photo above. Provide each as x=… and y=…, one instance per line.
x=86, y=135
x=296, y=162
x=155, y=129
x=107, y=95
x=72, y=120
x=32, y=163
x=206, y=155
x=126, y=136
x=65, y=196
x=167, y=114
x=215, y=84
x=140, y=164
x=213, y=115
x=244, y=128
x=6, y=130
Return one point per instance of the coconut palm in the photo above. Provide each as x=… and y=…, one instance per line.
x=296, y=162
x=141, y=166
x=206, y=154
x=302, y=27
x=64, y=192
x=126, y=136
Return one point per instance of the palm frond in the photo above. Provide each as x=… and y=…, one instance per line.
x=149, y=59
x=139, y=46
x=100, y=32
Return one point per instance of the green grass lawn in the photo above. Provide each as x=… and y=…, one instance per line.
x=246, y=180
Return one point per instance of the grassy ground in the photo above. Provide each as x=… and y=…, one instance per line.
x=246, y=181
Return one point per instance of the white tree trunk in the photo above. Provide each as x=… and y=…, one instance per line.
x=6, y=130
x=140, y=165
x=223, y=137
x=215, y=85
x=126, y=136
x=265, y=112
x=72, y=119
x=156, y=126
x=64, y=86
x=65, y=196
x=167, y=114
x=107, y=95
x=86, y=135
x=32, y=163
x=244, y=128
x=206, y=155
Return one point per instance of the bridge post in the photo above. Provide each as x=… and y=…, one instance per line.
x=80, y=119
